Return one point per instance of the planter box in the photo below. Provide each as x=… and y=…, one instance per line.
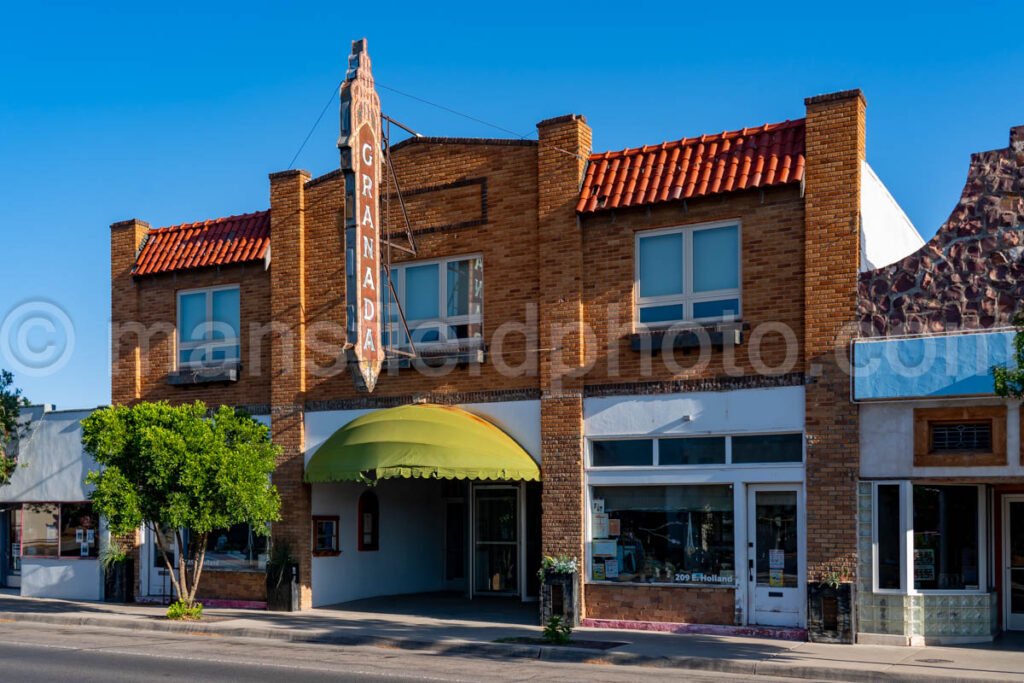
x=283, y=588
x=559, y=596
x=830, y=613
x=119, y=582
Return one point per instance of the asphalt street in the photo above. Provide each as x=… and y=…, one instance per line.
x=36, y=652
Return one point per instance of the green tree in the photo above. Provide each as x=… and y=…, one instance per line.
x=1009, y=379
x=180, y=468
x=11, y=402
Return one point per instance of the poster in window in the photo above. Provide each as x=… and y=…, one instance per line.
x=924, y=564
x=79, y=536
x=614, y=528
x=51, y=532
x=605, y=549
x=611, y=569
x=598, y=505
x=599, y=568
x=90, y=536
x=15, y=550
x=775, y=577
x=776, y=558
x=83, y=550
x=600, y=525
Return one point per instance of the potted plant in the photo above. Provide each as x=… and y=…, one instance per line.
x=118, y=573
x=559, y=590
x=830, y=607
x=282, y=579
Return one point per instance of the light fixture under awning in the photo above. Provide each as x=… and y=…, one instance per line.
x=420, y=441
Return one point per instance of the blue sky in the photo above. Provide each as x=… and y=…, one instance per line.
x=173, y=113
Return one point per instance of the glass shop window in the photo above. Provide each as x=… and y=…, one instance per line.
x=889, y=533
x=946, y=538
x=60, y=530
x=325, y=536
x=663, y=534
x=767, y=448
x=237, y=548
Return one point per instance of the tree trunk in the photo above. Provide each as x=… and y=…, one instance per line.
x=167, y=560
x=182, y=568
x=197, y=568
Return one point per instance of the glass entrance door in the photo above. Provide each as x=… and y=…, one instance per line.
x=159, y=584
x=1013, y=561
x=774, y=573
x=496, y=540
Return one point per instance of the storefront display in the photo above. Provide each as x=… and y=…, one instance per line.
x=663, y=534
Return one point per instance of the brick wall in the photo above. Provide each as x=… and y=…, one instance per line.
x=690, y=605
x=225, y=585
x=835, y=150
x=564, y=145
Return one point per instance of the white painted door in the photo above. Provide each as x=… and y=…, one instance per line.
x=1013, y=562
x=774, y=563
x=158, y=580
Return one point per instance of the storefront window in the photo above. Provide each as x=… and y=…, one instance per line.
x=239, y=547
x=40, y=528
x=663, y=534
x=692, y=451
x=764, y=448
x=946, y=538
x=623, y=453
x=889, y=531
x=79, y=531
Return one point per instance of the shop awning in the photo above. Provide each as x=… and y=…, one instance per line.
x=420, y=441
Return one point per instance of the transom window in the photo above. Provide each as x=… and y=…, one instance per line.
x=442, y=301
x=697, y=450
x=688, y=274
x=208, y=326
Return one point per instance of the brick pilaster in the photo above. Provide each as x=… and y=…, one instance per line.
x=288, y=355
x=835, y=150
x=561, y=161
x=125, y=371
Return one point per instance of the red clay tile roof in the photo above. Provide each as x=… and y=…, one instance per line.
x=771, y=154
x=217, y=242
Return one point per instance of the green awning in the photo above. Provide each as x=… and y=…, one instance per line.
x=420, y=441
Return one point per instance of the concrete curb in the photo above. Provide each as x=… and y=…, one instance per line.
x=467, y=648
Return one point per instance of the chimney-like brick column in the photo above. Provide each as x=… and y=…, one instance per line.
x=126, y=364
x=288, y=386
x=561, y=161
x=835, y=150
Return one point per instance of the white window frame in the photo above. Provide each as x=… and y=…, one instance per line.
x=688, y=297
x=209, y=344
x=907, y=541
x=443, y=322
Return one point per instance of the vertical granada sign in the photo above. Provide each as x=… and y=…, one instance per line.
x=360, y=146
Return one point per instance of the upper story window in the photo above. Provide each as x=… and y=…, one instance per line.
x=442, y=300
x=208, y=326
x=688, y=274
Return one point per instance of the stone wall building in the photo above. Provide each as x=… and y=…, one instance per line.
x=941, y=499
x=652, y=330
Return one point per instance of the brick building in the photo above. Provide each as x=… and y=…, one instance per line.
x=942, y=472
x=650, y=333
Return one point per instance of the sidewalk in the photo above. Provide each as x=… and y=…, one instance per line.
x=745, y=656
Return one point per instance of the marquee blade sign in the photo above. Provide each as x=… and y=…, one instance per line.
x=360, y=146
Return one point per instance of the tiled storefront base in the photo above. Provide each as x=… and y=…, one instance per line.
x=671, y=604
x=893, y=619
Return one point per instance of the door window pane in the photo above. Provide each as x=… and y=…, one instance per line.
x=421, y=292
x=661, y=265
x=497, y=547
x=692, y=451
x=776, y=559
x=40, y=529
x=192, y=317
x=890, y=571
x=1016, y=557
x=767, y=448
x=715, y=259
x=946, y=538
x=625, y=453
x=663, y=534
